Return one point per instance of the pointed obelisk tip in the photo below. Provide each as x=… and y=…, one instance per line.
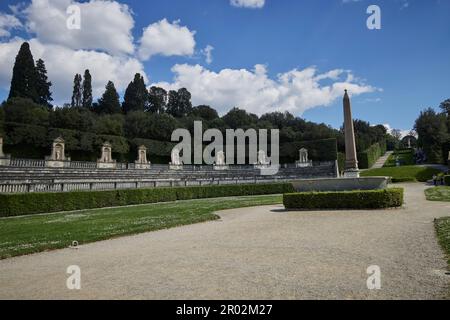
x=346, y=94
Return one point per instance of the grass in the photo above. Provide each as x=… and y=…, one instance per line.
x=403, y=174
x=438, y=194
x=443, y=232
x=406, y=158
x=31, y=234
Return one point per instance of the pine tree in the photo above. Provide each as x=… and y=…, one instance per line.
x=42, y=84
x=23, y=83
x=87, y=90
x=157, y=100
x=109, y=103
x=136, y=95
x=76, y=96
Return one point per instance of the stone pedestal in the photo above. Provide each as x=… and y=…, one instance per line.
x=106, y=161
x=176, y=163
x=142, y=163
x=351, y=173
x=58, y=158
x=303, y=161
x=262, y=163
x=220, y=163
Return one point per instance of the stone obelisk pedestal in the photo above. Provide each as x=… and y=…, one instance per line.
x=351, y=160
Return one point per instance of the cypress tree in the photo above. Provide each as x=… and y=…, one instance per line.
x=109, y=102
x=76, y=95
x=42, y=84
x=87, y=90
x=136, y=95
x=23, y=82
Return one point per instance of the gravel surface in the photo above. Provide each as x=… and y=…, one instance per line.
x=253, y=253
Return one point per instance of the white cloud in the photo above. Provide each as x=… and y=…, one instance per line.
x=403, y=133
x=295, y=91
x=63, y=63
x=248, y=3
x=105, y=25
x=8, y=22
x=167, y=39
x=207, y=52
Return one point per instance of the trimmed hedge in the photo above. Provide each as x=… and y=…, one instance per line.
x=371, y=199
x=33, y=203
x=367, y=158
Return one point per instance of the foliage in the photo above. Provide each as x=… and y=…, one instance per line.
x=157, y=100
x=33, y=203
x=77, y=92
x=371, y=199
x=318, y=150
x=87, y=91
x=442, y=226
x=433, y=133
x=136, y=95
x=367, y=158
x=109, y=102
x=179, y=103
x=24, y=76
x=43, y=85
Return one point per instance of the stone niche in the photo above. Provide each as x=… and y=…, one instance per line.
x=303, y=162
x=142, y=162
x=176, y=163
x=262, y=163
x=5, y=159
x=58, y=158
x=220, y=163
x=106, y=161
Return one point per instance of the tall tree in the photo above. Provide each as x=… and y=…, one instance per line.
x=23, y=82
x=179, y=104
x=87, y=91
x=109, y=102
x=77, y=91
x=42, y=84
x=136, y=95
x=157, y=100
x=432, y=130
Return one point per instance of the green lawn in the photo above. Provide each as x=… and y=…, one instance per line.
x=438, y=194
x=402, y=174
x=443, y=233
x=29, y=234
x=405, y=156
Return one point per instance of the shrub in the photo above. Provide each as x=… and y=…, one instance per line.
x=371, y=199
x=403, y=179
x=32, y=203
x=447, y=180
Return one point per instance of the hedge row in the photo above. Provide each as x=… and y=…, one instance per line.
x=367, y=158
x=371, y=199
x=32, y=203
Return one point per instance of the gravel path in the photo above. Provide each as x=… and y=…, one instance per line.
x=254, y=253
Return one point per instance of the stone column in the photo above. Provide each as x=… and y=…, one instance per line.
x=351, y=160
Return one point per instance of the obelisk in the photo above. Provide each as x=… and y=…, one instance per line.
x=351, y=160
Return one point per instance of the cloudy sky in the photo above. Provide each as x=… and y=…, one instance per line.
x=261, y=55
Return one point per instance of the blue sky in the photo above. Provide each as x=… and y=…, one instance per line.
x=396, y=71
